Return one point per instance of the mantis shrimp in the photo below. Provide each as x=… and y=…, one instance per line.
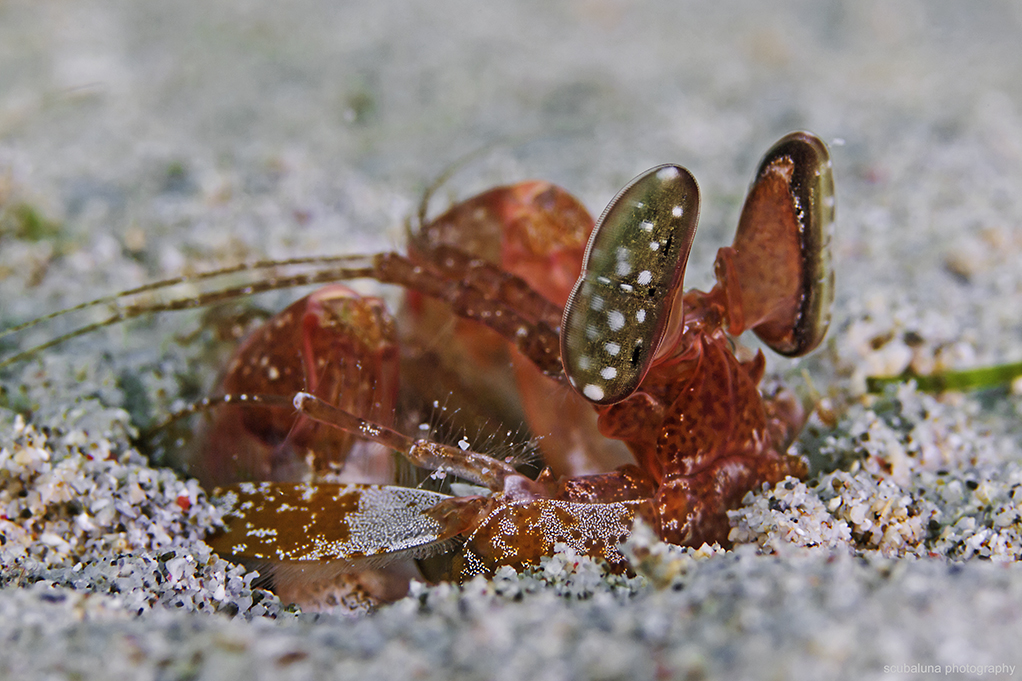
x=636, y=387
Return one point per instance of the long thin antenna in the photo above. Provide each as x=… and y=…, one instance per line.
x=446, y=175
x=360, y=266
x=175, y=281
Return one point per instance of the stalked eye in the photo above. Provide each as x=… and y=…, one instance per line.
x=781, y=252
x=633, y=270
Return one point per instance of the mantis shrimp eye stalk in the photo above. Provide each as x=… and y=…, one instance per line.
x=623, y=302
x=778, y=271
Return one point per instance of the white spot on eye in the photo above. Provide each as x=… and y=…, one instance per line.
x=668, y=173
x=592, y=333
x=623, y=253
x=640, y=316
x=639, y=204
x=583, y=363
x=645, y=277
x=593, y=392
x=607, y=373
x=612, y=349
x=627, y=288
x=603, y=280
x=646, y=226
x=623, y=268
x=677, y=211
x=654, y=245
x=615, y=320
x=596, y=303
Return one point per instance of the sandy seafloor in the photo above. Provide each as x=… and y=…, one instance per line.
x=140, y=140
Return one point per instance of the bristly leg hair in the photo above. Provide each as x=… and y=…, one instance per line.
x=402, y=444
x=515, y=447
